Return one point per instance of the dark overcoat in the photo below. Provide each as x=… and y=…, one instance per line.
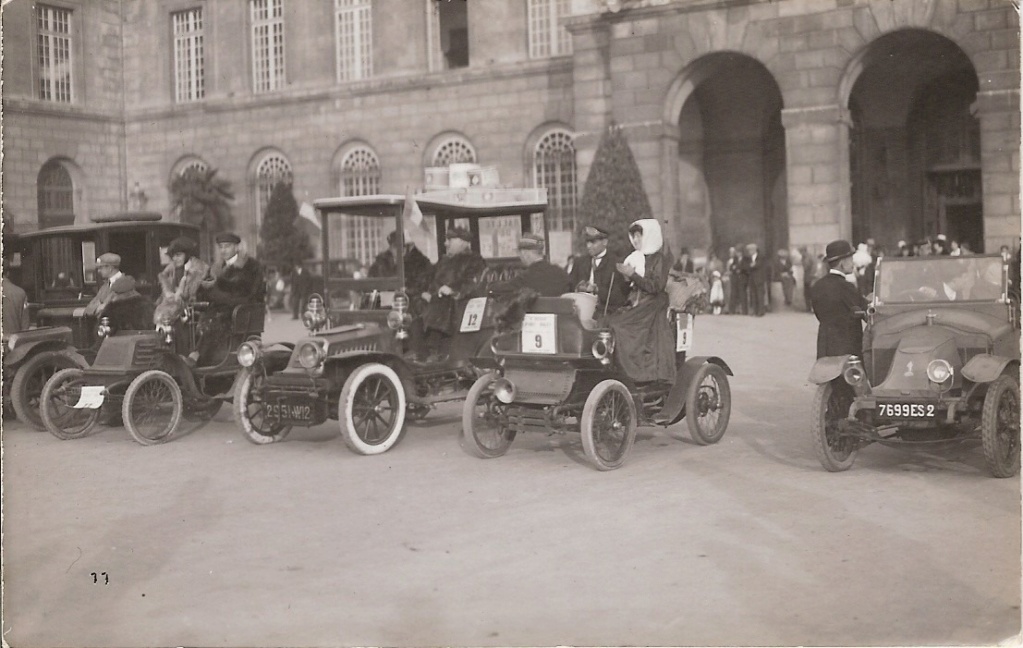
x=611, y=292
x=540, y=276
x=835, y=302
x=235, y=284
x=460, y=272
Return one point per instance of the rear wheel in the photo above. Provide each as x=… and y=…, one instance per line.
x=608, y=425
x=708, y=404
x=30, y=378
x=152, y=407
x=250, y=410
x=835, y=451
x=1000, y=427
x=482, y=434
x=371, y=409
x=57, y=406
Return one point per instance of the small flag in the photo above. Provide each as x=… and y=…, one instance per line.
x=415, y=226
x=308, y=212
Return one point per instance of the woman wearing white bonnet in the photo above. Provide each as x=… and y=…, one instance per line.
x=645, y=347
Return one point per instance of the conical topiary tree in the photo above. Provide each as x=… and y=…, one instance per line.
x=282, y=242
x=613, y=196
x=201, y=198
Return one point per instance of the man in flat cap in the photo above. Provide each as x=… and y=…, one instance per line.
x=116, y=285
x=454, y=279
x=838, y=305
x=540, y=275
x=596, y=273
x=234, y=279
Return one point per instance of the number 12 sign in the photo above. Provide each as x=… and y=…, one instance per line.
x=540, y=333
x=472, y=318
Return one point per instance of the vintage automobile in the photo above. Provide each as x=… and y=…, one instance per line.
x=940, y=364
x=364, y=363
x=146, y=377
x=56, y=267
x=557, y=372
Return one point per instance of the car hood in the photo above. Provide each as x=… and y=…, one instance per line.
x=918, y=346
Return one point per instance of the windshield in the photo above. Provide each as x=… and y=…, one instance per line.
x=940, y=279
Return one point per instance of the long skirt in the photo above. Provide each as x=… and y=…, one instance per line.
x=644, y=341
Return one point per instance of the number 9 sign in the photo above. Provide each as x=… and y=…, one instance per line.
x=539, y=333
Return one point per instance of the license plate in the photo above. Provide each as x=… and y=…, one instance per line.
x=296, y=411
x=907, y=411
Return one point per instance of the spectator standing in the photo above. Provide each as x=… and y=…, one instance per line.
x=755, y=270
x=809, y=262
x=301, y=287
x=782, y=273
x=15, y=305
x=737, y=303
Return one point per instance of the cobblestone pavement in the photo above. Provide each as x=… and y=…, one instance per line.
x=209, y=540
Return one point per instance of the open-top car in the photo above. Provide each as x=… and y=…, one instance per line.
x=558, y=372
x=940, y=364
x=56, y=267
x=365, y=362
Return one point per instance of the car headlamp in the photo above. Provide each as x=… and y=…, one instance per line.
x=249, y=353
x=504, y=390
x=603, y=347
x=939, y=371
x=311, y=355
x=104, y=329
x=315, y=315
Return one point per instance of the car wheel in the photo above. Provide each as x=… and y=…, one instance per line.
x=483, y=435
x=708, y=404
x=250, y=410
x=835, y=451
x=152, y=407
x=57, y=406
x=371, y=409
x=999, y=425
x=30, y=378
x=608, y=425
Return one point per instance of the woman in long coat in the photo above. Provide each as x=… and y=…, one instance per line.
x=644, y=341
x=179, y=280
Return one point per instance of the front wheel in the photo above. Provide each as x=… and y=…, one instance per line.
x=608, y=425
x=57, y=406
x=836, y=451
x=30, y=378
x=999, y=425
x=371, y=409
x=250, y=410
x=152, y=407
x=708, y=404
x=482, y=433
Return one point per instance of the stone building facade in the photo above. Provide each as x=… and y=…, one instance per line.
x=787, y=123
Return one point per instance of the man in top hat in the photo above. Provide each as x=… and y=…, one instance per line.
x=116, y=285
x=540, y=275
x=838, y=305
x=455, y=277
x=597, y=274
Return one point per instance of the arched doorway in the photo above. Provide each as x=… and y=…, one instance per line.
x=915, y=141
x=731, y=153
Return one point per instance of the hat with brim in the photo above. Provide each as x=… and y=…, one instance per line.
x=228, y=237
x=593, y=233
x=837, y=250
x=530, y=241
x=109, y=259
x=459, y=233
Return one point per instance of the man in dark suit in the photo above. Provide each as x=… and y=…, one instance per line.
x=838, y=305
x=596, y=272
x=755, y=269
x=540, y=275
x=301, y=286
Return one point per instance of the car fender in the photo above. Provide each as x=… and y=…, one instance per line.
x=30, y=347
x=671, y=412
x=984, y=367
x=827, y=369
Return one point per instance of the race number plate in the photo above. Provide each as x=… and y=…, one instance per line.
x=540, y=333
x=294, y=411
x=907, y=411
x=683, y=332
x=472, y=318
x=90, y=398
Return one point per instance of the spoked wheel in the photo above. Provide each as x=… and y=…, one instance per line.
x=250, y=410
x=608, y=425
x=57, y=406
x=1000, y=427
x=708, y=404
x=372, y=409
x=30, y=379
x=835, y=451
x=152, y=407
x=482, y=433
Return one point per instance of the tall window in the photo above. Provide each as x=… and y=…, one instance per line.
x=354, y=30
x=447, y=34
x=273, y=169
x=55, y=195
x=53, y=42
x=360, y=173
x=189, y=71
x=267, y=45
x=554, y=169
x=546, y=36
x=452, y=151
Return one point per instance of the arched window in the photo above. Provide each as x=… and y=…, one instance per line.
x=360, y=173
x=554, y=169
x=452, y=151
x=272, y=169
x=193, y=163
x=56, y=195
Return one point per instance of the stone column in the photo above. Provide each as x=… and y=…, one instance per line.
x=999, y=114
x=591, y=90
x=817, y=164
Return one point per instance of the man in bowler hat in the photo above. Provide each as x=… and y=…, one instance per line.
x=838, y=305
x=540, y=276
x=596, y=273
